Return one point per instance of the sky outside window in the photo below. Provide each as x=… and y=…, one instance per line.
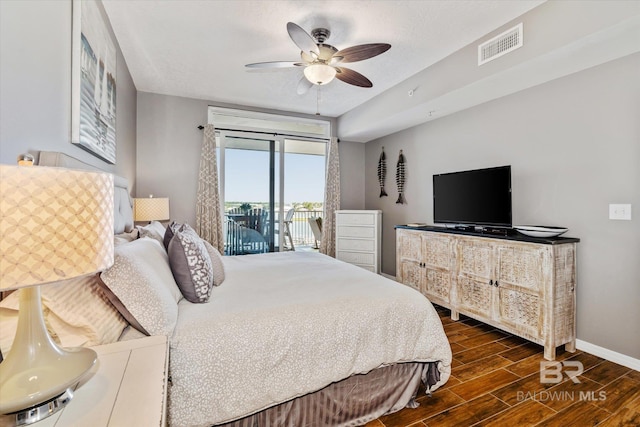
x=247, y=177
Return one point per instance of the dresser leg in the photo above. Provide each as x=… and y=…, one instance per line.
x=455, y=315
x=550, y=352
x=570, y=346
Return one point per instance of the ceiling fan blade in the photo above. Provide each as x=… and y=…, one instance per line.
x=352, y=77
x=362, y=52
x=302, y=39
x=303, y=86
x=275, y=64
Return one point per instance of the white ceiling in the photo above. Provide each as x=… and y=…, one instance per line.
x=198, y=49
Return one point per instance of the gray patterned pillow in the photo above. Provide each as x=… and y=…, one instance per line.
x=191, y=265
x=169, y=232
x=216, y=262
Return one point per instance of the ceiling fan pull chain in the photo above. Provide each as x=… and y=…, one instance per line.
x=318, y=101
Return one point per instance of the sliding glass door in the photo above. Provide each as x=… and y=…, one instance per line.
x=272, y=173
x=250, y=165
x=270, y=184
x=304, y=179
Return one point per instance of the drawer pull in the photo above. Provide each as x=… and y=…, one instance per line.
x=491, y=282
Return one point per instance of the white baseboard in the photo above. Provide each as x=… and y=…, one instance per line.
x=388, y=276
x=610, y=355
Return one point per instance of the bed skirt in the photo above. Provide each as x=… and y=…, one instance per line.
x=353, y=401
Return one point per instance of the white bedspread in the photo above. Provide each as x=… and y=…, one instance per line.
x=286, y=324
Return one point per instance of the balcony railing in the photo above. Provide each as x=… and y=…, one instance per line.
x=300, y=228
x=235, y=223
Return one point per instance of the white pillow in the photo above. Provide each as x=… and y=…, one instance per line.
x=76, y=312
x=141, y=279
x=155, y=230
x=119, y=239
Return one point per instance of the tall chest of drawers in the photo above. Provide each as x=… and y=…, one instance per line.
x=358, y=238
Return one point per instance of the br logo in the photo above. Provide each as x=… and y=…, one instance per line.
x=551, y=372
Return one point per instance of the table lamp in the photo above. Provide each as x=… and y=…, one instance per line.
x=151, y=209
x=55, y=224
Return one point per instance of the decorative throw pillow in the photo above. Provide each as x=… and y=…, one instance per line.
x=141, y=279
x=76, y=311
x=168, y=234
x=216, y=263
x=154, y=230
x=115, y=301
x=191, y=265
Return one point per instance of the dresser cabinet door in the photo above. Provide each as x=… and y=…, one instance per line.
x=521, y=276
x=475, y=258
x=437, y=253
x=474, y=277
x=474, y=297
x=409, y=245
x=409, y=259
x=411, y=274
x=437, y=285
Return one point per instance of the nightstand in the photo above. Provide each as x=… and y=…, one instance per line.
x=128, y=387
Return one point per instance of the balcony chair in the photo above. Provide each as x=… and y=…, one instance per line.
x=241, y=240
x=288, y=221
x=316, y=227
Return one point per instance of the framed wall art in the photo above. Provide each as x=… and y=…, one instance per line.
x=93, y=102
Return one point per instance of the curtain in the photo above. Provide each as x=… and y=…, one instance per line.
x=208, y=213
x=331, y=200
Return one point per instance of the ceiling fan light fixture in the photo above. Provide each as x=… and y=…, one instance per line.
x=319, y=74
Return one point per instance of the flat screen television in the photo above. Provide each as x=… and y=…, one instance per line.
x=480, y=197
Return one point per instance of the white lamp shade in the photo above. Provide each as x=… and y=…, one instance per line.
x=55, y=224
x=319, y=74
x=151, y=209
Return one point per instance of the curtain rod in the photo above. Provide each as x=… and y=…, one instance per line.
x=269, y=133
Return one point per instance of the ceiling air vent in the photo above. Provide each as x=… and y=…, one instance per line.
x=501, y=44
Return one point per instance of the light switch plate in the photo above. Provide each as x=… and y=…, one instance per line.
x=620, y=211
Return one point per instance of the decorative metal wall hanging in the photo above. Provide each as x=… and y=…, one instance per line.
x=400, y=177
x=382, y=172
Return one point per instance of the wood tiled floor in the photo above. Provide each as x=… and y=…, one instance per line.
x=495, y=381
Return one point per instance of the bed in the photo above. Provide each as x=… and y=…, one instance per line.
x=286, y=339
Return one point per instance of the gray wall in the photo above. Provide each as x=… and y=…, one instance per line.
x=35, y=87
x=168, y=153
x=352, y=156
x=574, y=147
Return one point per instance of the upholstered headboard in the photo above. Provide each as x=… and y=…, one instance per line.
x=123, y=205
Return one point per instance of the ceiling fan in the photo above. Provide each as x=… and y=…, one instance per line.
x=322, y=62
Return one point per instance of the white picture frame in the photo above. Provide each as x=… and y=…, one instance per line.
x=93, y=68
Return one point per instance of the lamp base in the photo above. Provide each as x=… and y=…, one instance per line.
x=38, y=412
x=37, y=375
